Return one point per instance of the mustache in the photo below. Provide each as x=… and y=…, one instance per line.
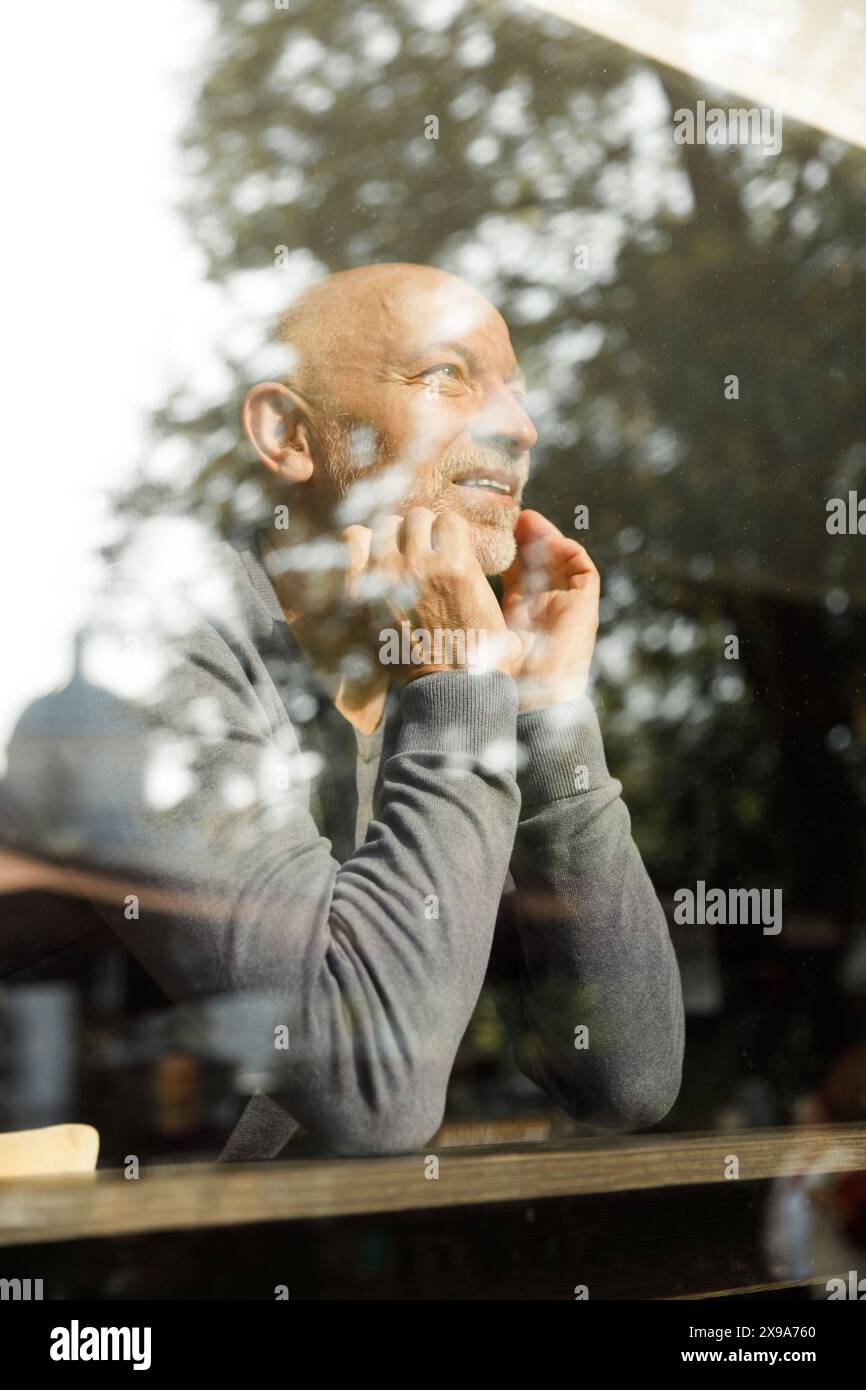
x=453, y=465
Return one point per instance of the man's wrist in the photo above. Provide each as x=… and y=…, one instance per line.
x=461, y=712
x=546, y=697
x=562, y=752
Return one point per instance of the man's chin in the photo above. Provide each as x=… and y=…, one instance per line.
x=495, y=547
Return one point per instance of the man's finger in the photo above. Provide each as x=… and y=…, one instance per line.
x=541, y=544
x=357, y=540
x=579, y=561
x=416, y=535
x=531, y=525
x=386, y=532
x=449, y=528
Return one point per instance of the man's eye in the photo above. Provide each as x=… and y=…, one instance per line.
x=444, y=367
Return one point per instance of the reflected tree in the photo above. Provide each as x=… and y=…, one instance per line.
x=691, y=321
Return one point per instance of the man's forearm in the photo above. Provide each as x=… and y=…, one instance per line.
x=601, y=987
x=371, y=968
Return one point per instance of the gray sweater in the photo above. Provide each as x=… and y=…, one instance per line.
x=364, y=964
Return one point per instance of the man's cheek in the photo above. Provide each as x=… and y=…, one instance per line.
x=428, y=422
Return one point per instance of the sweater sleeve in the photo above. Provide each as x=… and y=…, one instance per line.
x=364, y=975
x=599, y=983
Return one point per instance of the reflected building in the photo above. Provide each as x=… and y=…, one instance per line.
x=67, y=754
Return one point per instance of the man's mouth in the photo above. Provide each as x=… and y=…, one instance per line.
x=489, y=482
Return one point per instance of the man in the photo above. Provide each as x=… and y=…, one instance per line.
x=358, y=833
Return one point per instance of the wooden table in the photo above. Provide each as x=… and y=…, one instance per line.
x=629, y=1217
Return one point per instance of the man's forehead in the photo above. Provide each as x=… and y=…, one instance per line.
x=379, y=319
x=447, y=315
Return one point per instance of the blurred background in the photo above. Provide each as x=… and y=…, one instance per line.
x=638, y=277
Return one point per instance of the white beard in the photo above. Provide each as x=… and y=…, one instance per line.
x=492, y=525
x=495, y=548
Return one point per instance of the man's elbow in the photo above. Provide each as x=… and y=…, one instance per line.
x=383, y=1130
x=619, y=1103
x=639, y=1107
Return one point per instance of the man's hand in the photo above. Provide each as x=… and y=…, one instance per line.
x=550, y=600
x=421, y=571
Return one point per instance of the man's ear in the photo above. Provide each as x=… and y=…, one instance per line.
x=277, y=426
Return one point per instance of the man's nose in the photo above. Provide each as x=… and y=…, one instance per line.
x=503, y=423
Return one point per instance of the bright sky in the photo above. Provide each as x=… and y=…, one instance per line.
x=105, y=305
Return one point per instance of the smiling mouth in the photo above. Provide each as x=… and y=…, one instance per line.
x=491, y=483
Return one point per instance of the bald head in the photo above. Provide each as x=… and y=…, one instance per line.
x=353, y=323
